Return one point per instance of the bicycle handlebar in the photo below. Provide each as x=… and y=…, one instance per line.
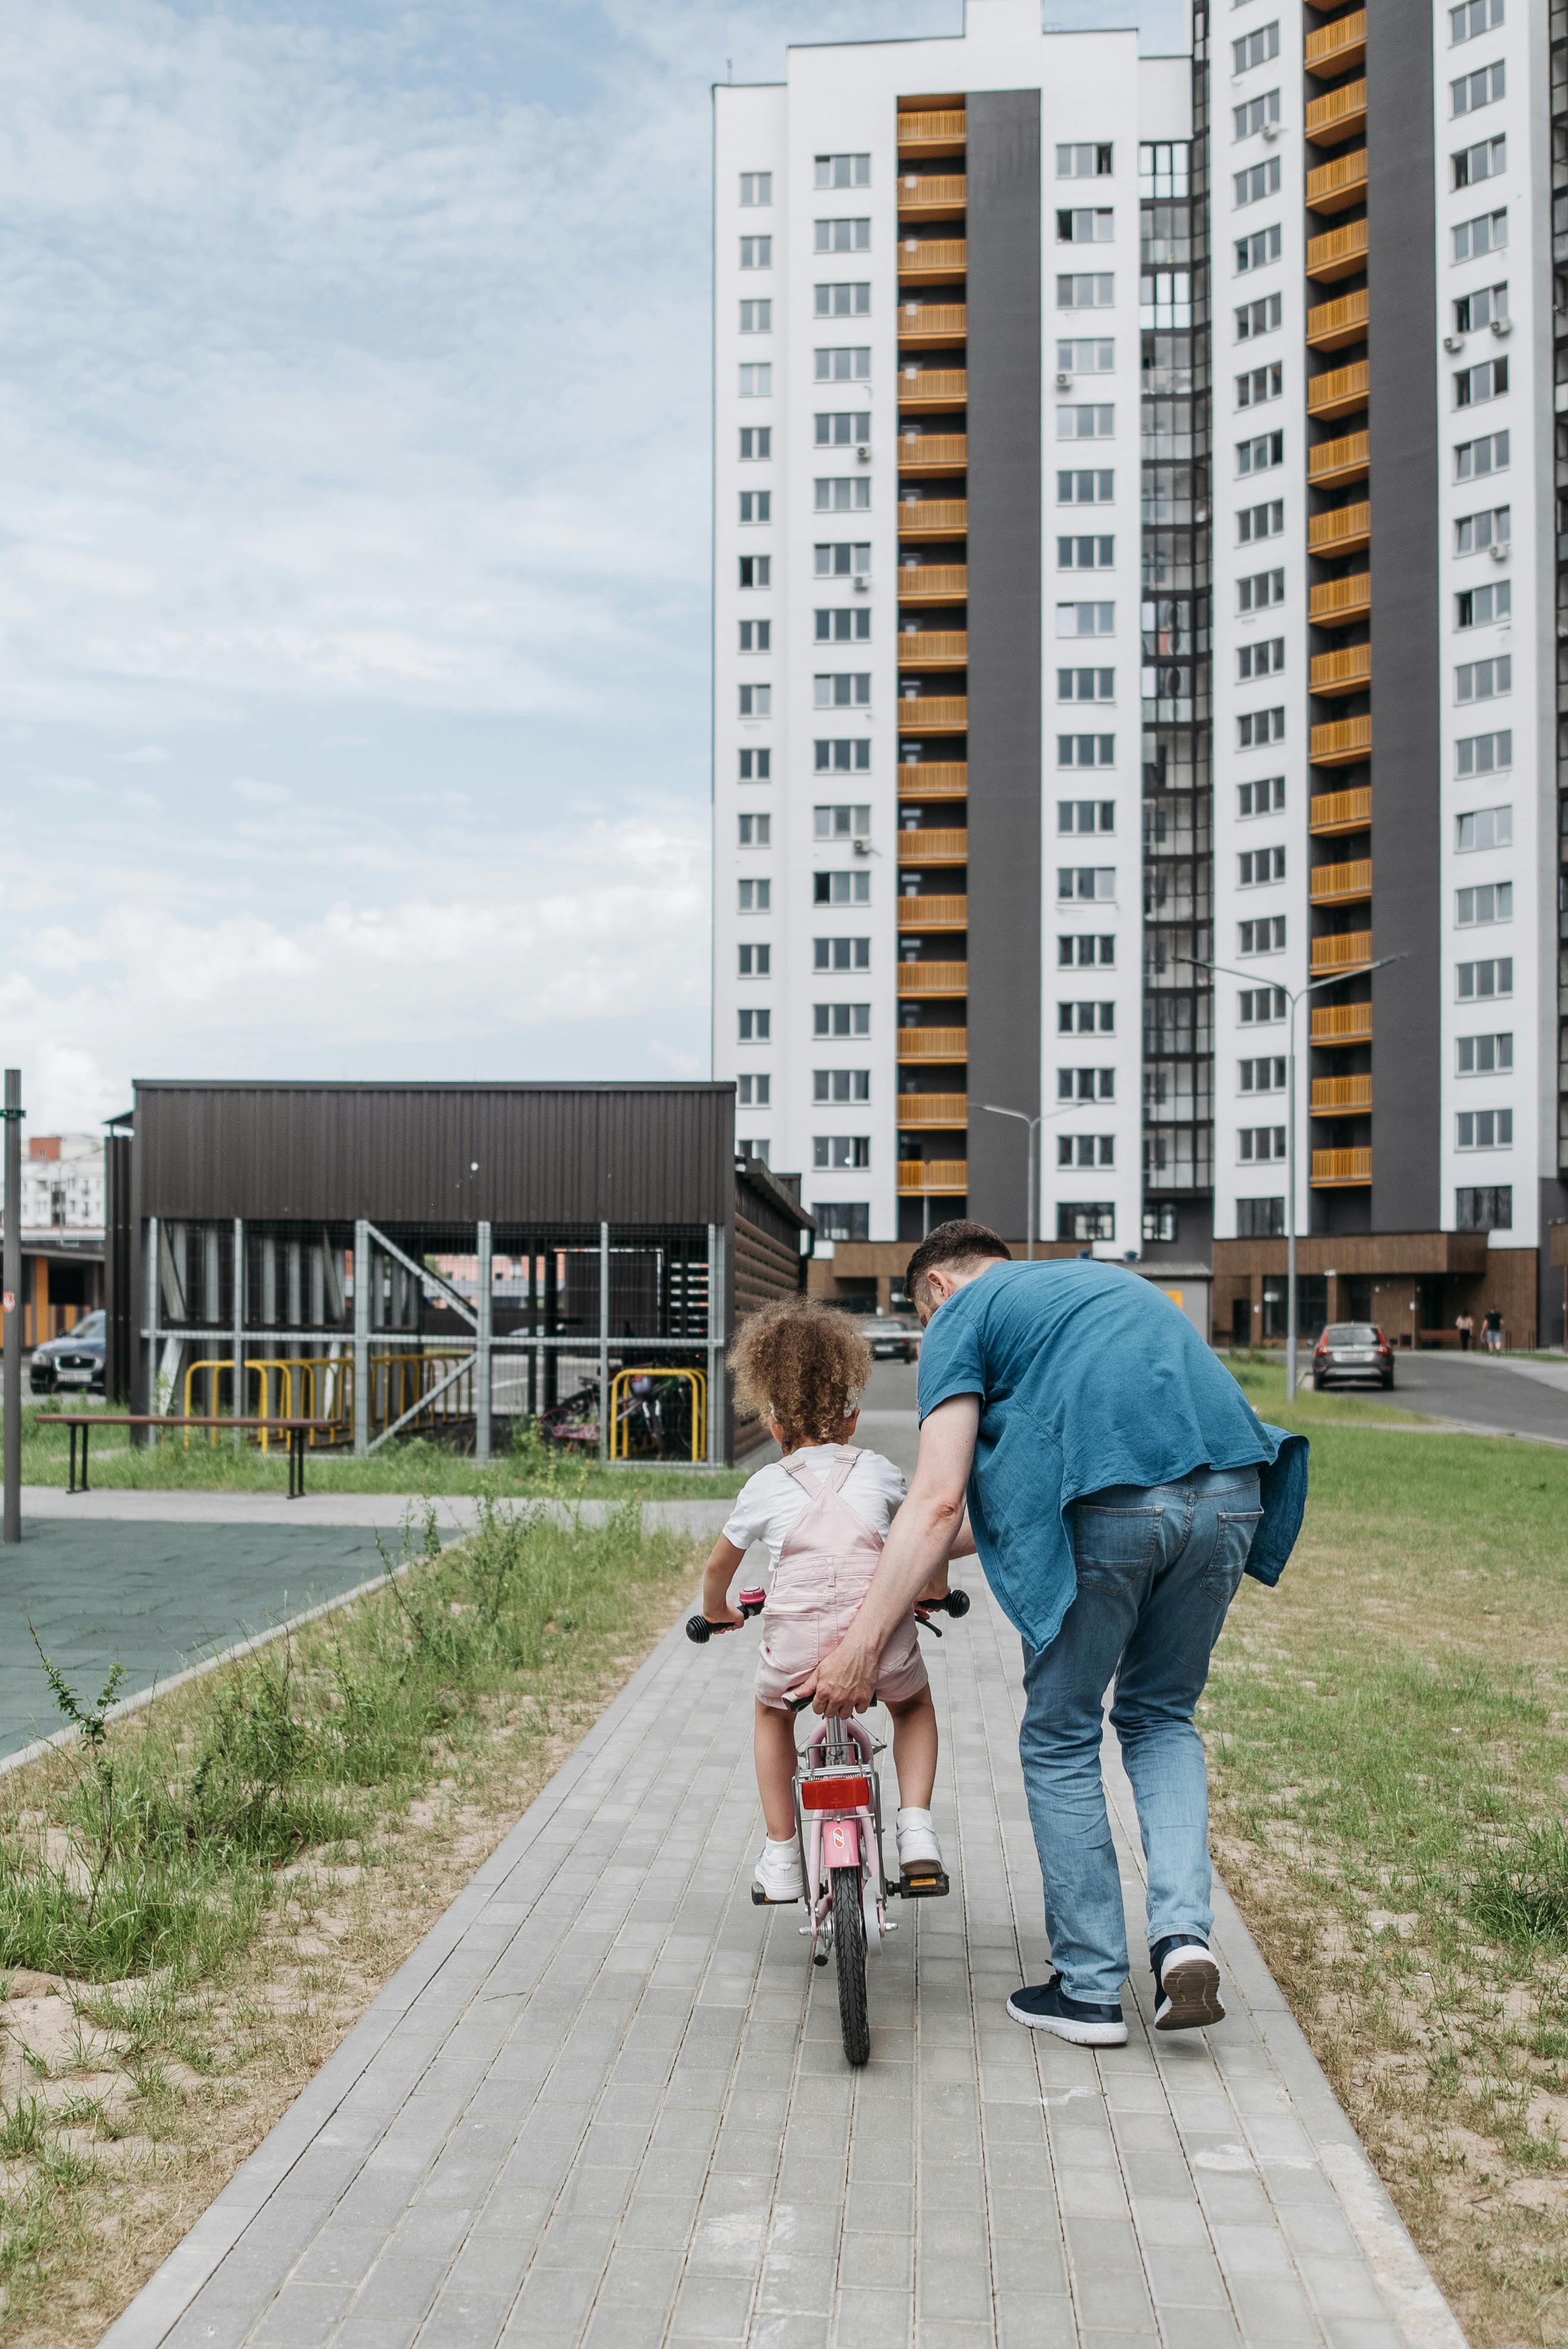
x=701, y=1628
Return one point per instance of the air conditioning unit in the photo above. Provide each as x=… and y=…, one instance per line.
x=862, y=846
x=1502, y=551
x=1453, y=342
x=864, y=453
x=1064, y=380
x=1272, y=129
x=862, y=585
x=1501, y=327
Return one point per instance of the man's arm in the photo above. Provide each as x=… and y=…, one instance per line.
x=923, y=1535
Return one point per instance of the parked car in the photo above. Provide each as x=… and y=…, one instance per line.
x=1352, y=1349
x=893, y=1340
x=72, y=1362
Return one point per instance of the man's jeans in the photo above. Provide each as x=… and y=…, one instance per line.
x=1158, y=1566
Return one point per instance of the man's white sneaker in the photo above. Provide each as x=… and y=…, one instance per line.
x=917, y=1844
x=777, y=1875
x=1186, y=1984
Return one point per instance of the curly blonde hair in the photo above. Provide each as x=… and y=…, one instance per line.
x=803, y=1365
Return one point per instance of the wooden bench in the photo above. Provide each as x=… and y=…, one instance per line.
x=297, y=1429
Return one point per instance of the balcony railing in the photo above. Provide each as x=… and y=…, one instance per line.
x=1351, y=950
x=1338, y=1168
x=933, y=195
x=934, y=1043
x=1342, y=1023
x=1339, y=391
x=1341, y=742
x=931, y=322
x=1330, y=325
x=939, y=133
x=930, y=847
x=948, y=1109
x=1341, y=531
x=1333, y=463
x=933, y=452
x=933, y=647
x=1336, y=117
x=1342, y=1096
x=1338, y=254
x=1341, y=885
x=932, y=713
x=933, y=517
x=1335, y=185
x=932, y=1177
x=922, y=387
x=932, y=779
x=1349, y=670
x=933, y=583
x=933, y=913
x=1333, y=811
x=1339, y=601
x=929, y=979
x=930, y=257
x=1336, y=47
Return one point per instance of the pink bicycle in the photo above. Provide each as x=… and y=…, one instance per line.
x=838, y=1817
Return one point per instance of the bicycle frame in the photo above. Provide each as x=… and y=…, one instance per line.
x=841, y=1834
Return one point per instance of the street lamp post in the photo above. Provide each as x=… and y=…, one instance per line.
x=1034, y=1124
x=1293, y=996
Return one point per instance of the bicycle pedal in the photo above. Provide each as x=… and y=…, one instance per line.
x=759, y=1900
x=923, y=1884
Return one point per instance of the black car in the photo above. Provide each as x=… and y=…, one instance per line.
x=1352, y=1349
x=892, y=1341
x=71, y=1363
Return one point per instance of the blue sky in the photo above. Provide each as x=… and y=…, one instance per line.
x=353, y=555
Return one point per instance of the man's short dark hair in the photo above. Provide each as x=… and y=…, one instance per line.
x=952, y=1244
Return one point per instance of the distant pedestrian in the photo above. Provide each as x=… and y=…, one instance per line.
x=1466, y=1328
x=1491, y=1333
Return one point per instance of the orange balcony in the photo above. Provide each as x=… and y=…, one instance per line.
x=1331, y=325
x=1341, y=742
x=1342, y=1023
x=1342, y=1096
x=929, y=979
x=933, y=1178
x=1351, y=950
x=920, y=847
x=1333, y=811
x=1333, y=187
x=1341, y=885
x=933, y=583
x=931, y=195
x=933, y=647
x=1335, y=49
x=921, y=387
x=933, y=517
x=1339, y=391
x=933, y=452
x=930, y=257
x=940, y=132
x=933, y=913
x=1349, y=670
x=932, y=713
x=931, y=322
x=943, y=1110
x=1340, y=114
x=1340, y=531
x=1339, y=601
x=1336, y=1169
x=934, y=1043
x=934, y=778
x=1339, y=253
x=1333, y=463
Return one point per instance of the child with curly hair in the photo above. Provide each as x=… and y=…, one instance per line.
x=823, y=1510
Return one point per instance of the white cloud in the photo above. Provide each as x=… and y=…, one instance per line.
x=246, y=787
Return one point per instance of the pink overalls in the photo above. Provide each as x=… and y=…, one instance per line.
x=825, y=1568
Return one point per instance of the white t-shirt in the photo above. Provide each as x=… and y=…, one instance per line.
x=767, y=1504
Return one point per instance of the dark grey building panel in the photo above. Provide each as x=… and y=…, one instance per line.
x=1004, y=533
x=1406, y=655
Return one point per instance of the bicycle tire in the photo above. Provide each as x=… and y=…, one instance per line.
x=850, y=1952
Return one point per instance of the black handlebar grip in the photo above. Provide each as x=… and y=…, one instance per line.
x=699, y=1628
x=956, y=1603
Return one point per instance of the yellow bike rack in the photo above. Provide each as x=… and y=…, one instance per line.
x=620, y=1448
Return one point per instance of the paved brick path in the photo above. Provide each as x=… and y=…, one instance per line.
x=604, y=2104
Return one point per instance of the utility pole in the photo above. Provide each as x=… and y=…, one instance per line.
x=12, y=1305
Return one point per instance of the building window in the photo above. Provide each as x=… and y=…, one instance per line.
x=1263, y=797
x=1081, y=162
x=1260, y=726
x=756, y=382
x=843, y=758
x=1085, y=884
x=1487, y=159
x=1475, y=384
x=756, y=571
x=1260, y=318
x=1482, y=982
x=851, y=364
x=1483, y=87
x=851, y=689
x=1254, y=866
x=755, y=188
x=758, y=1150
x=1086, y=488
x=1260, y=937
x=754, y=962
x=1262, y=1006
x=1485, y=1129
x=1086, y=619
x=1260, y=384
x=1491, y=527
x=755, y=831
x=840, y=1150
x=1083, y=950
x=757, y=766
x=838, y=1020
x=1473, y=460
x=756, y=636
x=1086, y=1220
x=1472, y=17
x=843, y=493
x=847, y=623
x=844, y=428
x=1488, y=233
x=1160, y=1225
x=1086, y=1084
x=843, y=172
x=840, y=954
x=1253, y=522
x=755, y=896
x=1087, y=354
x=755, y=1026
x=756, y=318
x=850, y=820
x=1096, y=290
x=840, y=888
x=1086, y=1018
x=842, y=1219
x=1260, y=454
x=1265, y=658
x=1086, y=1150
x=1086, y=553
x=1255, y=250
x=1263, y=1076
x=1484, y=1056
x=843, y=301
x=1091, y=224
x=1484, y=680
x=841, y=1085
x=754, y=1093
x=1488, y=901
x=1481, y=607
x=1485, y=754
x=1474, y=311
x=1254, y=113
x=757, y=701
x=1086, y=749
x=1086, y=684
x=1260, y=1219
x=1485, y=828
x=849, y=559
x=1256, y=48
x=1489, y=1208
x=755, y=442
x=757, y=252
x=1077, y=421
x=1258, y=180
x=1258, y=1144
x=842, y=236
x=1085, y=816
x=756, y=505
x=1259, y=592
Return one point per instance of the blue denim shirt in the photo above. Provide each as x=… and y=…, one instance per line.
x=1089, y=1376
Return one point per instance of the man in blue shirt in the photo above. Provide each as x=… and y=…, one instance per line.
x=1119, y=1486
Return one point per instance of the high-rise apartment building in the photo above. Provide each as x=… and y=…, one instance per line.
x=1134, y=492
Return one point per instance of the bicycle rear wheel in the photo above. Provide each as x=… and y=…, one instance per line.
x=850, y=1952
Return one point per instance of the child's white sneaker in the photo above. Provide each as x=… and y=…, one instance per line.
x=917, y=1844
x=777, y=1875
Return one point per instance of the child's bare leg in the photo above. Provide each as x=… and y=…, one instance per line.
x=775, y=1748
x=914, y=1750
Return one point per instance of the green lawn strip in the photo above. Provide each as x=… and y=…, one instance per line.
x=162, y=1879
x=1388, y=1732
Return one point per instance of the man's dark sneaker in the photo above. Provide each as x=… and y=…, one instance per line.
x=1186, y=1984
x=1047, y=2007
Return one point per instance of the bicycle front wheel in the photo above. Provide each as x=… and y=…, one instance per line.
x=849, y=1950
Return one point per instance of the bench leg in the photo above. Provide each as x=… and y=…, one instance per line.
x=72, y=1485
x=85, y=1432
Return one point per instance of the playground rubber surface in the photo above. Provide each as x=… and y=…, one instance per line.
x=605, y=2104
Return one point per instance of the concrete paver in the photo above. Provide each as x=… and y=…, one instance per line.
x=605, y=2104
